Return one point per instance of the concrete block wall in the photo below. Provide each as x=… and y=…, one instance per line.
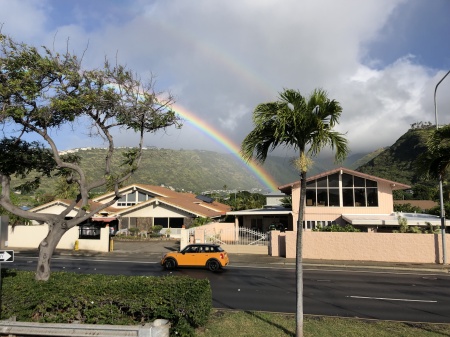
x=31, y=237
x=382, y=247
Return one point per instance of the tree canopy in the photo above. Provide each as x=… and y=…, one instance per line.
x=43, y=92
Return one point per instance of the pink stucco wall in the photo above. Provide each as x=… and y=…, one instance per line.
x=383, y=247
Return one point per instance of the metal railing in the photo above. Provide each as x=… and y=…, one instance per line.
x=239, y=236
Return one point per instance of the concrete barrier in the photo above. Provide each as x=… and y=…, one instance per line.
x=158, y=328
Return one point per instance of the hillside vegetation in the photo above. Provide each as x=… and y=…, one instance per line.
x=201, y=171
x=189, y=170
x=397, y=162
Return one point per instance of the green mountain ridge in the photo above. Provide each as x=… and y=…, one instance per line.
x=201, y=171
x=397, y=162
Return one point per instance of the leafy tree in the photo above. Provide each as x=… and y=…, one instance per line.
x=425, y=191
x=14, y=219
x=40, y=93
x=305, y=124
x=435, y=162
x=286, y=202
x=244, y=200
x=200, y=221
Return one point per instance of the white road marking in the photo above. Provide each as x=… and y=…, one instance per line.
x=391, y=299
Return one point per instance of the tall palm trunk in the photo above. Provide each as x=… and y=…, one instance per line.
x=46, y=249
x=299, y=256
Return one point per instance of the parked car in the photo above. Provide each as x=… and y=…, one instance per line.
x=211, y=256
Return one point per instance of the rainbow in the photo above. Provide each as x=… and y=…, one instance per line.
x=262, y=175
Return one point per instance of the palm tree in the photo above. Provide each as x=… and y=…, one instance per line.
x=306, y=125
x=435, y=162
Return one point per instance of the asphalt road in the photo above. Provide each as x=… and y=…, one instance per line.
x=379, y=294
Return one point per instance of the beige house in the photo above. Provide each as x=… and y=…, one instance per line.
x=143, y=206
x=340, y=196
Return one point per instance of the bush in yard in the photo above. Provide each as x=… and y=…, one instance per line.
x=107, y=299
x=133, y=231
x=336, y=228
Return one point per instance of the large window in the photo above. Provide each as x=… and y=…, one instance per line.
x=355, y=192
x=359, y=192
x=323, y=191
x=132, y=199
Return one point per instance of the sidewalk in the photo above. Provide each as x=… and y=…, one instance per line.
x=152, y=251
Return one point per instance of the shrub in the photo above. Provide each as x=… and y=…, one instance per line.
x=133, y=231
x=337, y=228
x=107, y=299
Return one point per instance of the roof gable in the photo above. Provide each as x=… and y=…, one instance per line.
x=186, y=202
x=395, y=185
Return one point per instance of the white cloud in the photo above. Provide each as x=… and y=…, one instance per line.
x=222, y=58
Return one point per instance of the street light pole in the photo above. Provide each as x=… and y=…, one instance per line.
x=441, y=193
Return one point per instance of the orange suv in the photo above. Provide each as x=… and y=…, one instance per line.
x=211, y=256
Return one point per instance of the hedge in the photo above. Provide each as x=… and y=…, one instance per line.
x=107, y=299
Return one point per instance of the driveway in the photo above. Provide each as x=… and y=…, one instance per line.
x=145, y=247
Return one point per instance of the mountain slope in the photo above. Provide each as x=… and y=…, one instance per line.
x=397, y=161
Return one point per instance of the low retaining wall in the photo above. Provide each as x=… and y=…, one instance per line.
x=245, y=249
x=383, y=247
x=158, y=328
x=31, y=237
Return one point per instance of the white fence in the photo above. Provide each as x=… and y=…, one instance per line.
x=229, y=236
x=232, y=238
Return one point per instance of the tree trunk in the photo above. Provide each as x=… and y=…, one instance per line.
x=299, y=256
x=46, y=249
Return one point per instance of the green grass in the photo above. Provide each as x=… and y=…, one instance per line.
x=261, y=324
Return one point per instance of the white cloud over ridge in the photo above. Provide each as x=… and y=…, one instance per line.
x=222, y=58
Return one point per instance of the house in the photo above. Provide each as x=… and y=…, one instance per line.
x=143, y=206
x=340, y=196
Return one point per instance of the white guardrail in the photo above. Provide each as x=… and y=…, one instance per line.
x=158, y=328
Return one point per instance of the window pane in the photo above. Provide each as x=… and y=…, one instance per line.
x=347, y=196
x=371, y=183
x=123, y=198
x=360, y=197
x=310, y=197
x=347, y=180
x=322, y=182
x=131, y=197
x=311, y=184
x=322, y=197
x=334, y=196
x=372, y=197
x=333, y=180
x=359, y=182
x=141, y=196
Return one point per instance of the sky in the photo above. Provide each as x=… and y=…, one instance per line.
x=381, y=59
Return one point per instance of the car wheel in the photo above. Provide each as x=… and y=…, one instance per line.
x=213, y=265
x=170, y=264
